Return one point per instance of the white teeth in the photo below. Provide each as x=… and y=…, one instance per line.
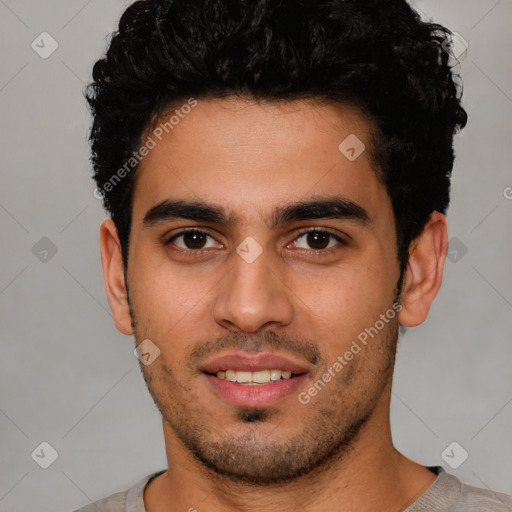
x=243, y=377
x=259, y=377
x=275, y=374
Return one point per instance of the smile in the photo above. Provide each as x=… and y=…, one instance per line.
x=254, y=378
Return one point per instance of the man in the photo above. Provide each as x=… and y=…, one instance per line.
x=277, y=175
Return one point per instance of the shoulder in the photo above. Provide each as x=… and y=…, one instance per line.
x=131, y=500
x=113, y=503
x=483, y=500
x=449, y=494
x=462, y=497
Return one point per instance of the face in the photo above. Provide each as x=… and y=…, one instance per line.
x=259, y=251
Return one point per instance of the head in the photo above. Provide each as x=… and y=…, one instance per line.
x=277, y=175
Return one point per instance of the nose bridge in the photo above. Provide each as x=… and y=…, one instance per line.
x=252, y=296
x=253, y=276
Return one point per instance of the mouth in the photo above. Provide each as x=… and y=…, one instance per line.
x=254, y=380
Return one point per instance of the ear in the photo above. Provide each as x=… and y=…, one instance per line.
x=424, y=273
x=113, y=276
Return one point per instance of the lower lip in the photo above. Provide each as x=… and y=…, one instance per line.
x=258, y=395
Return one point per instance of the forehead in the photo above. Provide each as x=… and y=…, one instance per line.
x=251, y=157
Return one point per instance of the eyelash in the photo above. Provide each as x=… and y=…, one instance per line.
x=302, y=232
x=321, y=252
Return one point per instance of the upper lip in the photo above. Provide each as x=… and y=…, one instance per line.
x=252, y=362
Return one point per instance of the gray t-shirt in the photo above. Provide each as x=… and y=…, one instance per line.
x=446, y=494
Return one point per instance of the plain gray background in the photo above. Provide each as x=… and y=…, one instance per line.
x=68, y=378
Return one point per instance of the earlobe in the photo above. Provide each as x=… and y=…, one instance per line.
x=424, y=273
x=113, y=276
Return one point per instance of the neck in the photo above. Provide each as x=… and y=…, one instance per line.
x=370, y=475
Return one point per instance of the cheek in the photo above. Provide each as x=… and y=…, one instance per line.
x=342, y=303
x=162, y=285
x=162, y=300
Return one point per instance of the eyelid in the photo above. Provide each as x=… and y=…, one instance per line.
x=336, y=234
x=319, y=229
x=166, y=240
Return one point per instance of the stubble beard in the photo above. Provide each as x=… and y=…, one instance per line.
x=251, y=457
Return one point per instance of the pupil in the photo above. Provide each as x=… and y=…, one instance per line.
x=318, y=240
x=194, y=240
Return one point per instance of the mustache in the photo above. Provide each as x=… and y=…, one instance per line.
x=266, y=341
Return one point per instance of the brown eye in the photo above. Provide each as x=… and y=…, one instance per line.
x=193, y=240
x=317, y=240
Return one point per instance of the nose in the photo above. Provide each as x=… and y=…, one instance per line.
x=253, y=297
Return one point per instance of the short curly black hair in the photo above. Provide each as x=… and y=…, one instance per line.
x=375, y=54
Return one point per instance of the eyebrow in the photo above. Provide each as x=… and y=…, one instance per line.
x=316, y=208
x=179, y=209
x=320, y=208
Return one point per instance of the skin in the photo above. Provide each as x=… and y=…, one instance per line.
x=295, y=299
